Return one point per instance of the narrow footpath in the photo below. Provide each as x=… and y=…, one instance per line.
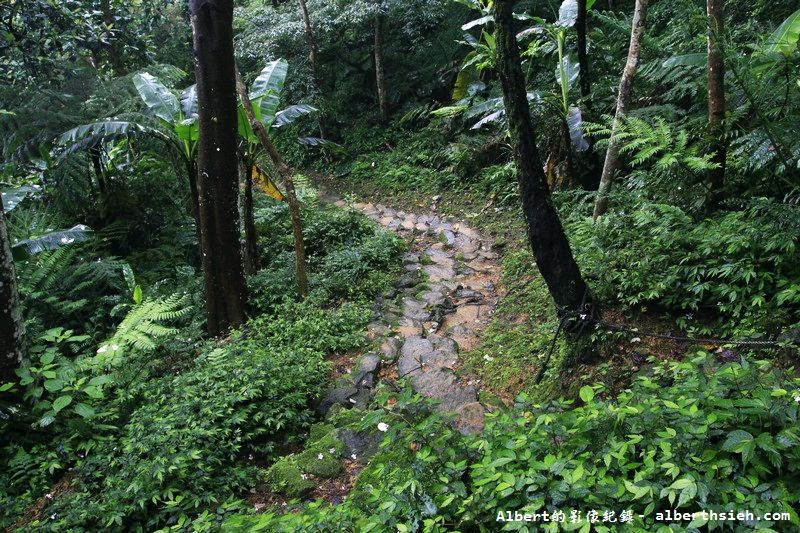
x=438, y=308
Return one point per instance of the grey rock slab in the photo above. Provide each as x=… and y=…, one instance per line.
x=415, y=347
x=407, y=280
x=408, y=224
x=469, y=418
x=440, y=384
x=410, y=258
x=408, y=366
x=439, y=273
x=359, y=445
x=422, y=227
x=449, y=238
x=390, y=348
x=433, y=298
x=438, y=359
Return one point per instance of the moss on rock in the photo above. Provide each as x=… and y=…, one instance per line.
x=285, y=477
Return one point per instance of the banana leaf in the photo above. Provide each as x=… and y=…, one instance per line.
x=50, y=241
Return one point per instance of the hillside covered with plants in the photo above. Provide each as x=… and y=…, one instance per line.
x=399, y=265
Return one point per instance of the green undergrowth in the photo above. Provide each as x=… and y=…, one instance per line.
x=703, y=434
x=157, y=424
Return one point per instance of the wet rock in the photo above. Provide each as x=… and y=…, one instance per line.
x=408, y=327
x=361, y=444
x=438, y=359
x=415, y=347
x=390, y=348
x=469, y=418
x=407, y=280
x=441, y=385
x=439, y=273
x=448, y=237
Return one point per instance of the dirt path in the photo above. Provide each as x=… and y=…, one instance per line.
x=439, y=307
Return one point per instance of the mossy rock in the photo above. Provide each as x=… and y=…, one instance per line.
x=322, y=458
x=285, y=477
x=340, y=416
x=318, y=431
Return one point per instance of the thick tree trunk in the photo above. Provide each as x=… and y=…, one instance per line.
x=11, y=328
x=380, y=75
x=623, y=104
x=251, y=258
x=546, y=235
x=286, y=174
x=312, y=59
x=212, y=26
x=716, y=95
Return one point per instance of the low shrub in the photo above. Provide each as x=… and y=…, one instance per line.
x=736, y=272
x=704, y=434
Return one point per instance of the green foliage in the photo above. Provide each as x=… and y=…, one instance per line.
x=734, y=273
x=676, y=439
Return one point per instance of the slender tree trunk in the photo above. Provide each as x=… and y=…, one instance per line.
x=251, y=258
x=312, y=60
x=623, y=104
x=583, y=58
x=226, y=292
x=114, y=57
x=716, y=96
x=550, y=246
x=286, y=174
x=11, y=328
x=191, y=169
x=380, y=75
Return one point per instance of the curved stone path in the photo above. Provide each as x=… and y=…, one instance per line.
x=439, y=307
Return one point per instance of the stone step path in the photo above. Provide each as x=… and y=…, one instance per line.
x=439, y=307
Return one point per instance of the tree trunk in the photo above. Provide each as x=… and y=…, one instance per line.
x=114, y=57
x=583, y=58
x=251, y=258
x=546, y=236
x=623, y=103
x=380, y=76
x=11, y=328
x=716, y=96
x=226, y=292
x=312, y=59
x=286, y=174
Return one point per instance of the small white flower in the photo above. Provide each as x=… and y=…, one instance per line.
x=303, y=476
x=320, y=456
x=383, y=427
x=102, y=349
x=331, y=451
x=53, y=516
x=353, y=456
x=250, y=457
x=48, y=496
x=115, y=347
x=797, y=397
x=636, y=339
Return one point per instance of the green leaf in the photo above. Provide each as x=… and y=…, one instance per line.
x=84, y=410
x=61, y=402
x=189, y=102
x=784, y=39
x=586, y=393
x=93, y=392
x=137, y=294
x=271, y=78
x=288, y=115
x=50, y=241
x=568, y=13
x=737, y=440
x=12, y=197
x=156, y=97
x=53, y=385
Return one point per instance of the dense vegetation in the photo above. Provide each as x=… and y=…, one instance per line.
x=178, y=293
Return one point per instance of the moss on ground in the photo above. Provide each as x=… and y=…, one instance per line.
x=286, y=478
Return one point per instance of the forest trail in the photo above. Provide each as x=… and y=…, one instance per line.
x=438, y=308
